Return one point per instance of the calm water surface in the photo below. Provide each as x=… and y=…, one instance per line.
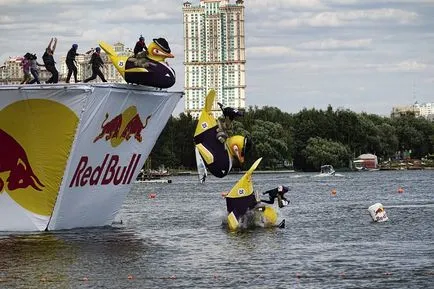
x=177, y=241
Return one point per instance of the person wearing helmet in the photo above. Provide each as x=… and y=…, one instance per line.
x=140, y=46
x=70, y=63
x=96, y=62
x=140, y=52
x=278, y=193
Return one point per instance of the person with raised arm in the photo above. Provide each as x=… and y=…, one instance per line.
x=49, y=62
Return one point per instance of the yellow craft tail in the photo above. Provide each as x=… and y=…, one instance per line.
x=206, y=118
x=209, y=101
x=244, y=187
x=118, y=61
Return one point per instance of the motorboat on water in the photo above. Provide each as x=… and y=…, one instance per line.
x=327, y=170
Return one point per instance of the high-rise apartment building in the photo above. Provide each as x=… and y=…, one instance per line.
x=214, y=54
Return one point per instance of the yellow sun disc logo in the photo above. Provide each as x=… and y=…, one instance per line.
x=36, y=136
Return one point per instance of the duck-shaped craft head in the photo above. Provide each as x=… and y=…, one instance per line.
x=159, y=50
x=149, y=68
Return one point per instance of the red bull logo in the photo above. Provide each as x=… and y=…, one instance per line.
x=13, y=159
x=105, y=173
x=122, y=127
x=33, y=154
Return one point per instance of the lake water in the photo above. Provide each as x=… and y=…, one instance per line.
x=176, y=240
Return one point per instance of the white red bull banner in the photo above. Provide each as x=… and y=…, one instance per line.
x=69, y=154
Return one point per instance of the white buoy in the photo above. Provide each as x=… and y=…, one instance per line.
x=378, y=213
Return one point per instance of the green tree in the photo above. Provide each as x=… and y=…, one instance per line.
x=269, y=143
x=320, y=151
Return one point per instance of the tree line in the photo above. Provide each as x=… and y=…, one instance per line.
x=305, y=140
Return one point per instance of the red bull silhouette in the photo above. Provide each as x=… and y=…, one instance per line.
x=111, y=129
x=13, y=159
x=135, y=127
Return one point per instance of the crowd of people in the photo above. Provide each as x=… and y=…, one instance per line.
x=30, y=65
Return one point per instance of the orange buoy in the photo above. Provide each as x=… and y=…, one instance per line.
x=152, y=195
x=333, y=192
x=130, y=277
x=400, y=190
x=85, y=279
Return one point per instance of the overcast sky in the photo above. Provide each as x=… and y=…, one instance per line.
x=362, y=55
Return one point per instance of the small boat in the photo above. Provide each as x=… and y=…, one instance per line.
x=326, y=171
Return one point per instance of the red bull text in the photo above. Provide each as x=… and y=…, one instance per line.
x=106, y=173
x=13, y=159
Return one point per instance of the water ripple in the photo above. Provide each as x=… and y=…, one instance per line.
x=177, y=240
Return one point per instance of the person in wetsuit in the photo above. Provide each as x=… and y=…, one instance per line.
x=49, y=62
x=278, y=193
x=96, y=62
x=70, y=63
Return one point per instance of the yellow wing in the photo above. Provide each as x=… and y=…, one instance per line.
x=108, y=49
x=244, y=187
x=118, y=61
x=136, y=69
x=232, y=222
x=270, y=216
x=206, y=118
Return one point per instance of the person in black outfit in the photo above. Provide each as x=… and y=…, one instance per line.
x=278, y=193
x=140, y=53
x=140, y=46
x=70, y=63
x=96, y=62
x=49, y=62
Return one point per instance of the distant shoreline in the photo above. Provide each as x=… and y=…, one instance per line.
x=194, y=173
